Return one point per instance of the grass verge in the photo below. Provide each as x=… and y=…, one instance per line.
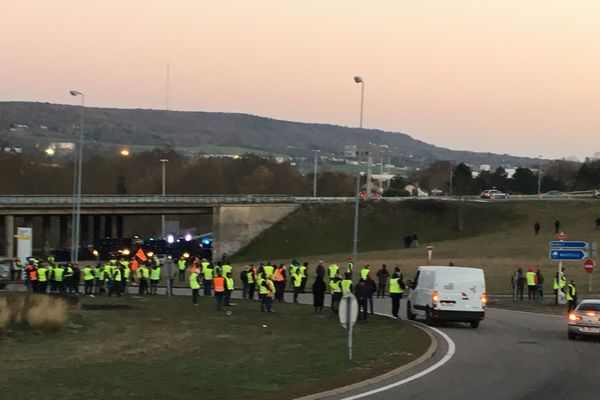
x=169, y=349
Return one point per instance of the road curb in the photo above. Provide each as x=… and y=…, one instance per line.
x=388, y=375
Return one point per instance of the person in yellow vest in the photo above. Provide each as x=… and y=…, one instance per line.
x=68, y=278
x=98, y=279
x=333, y=270
x=226, y=269
x=58, y=272
x=270, y=286
x=117, y=278
x=203, y=265
x=304, y=271
x=195, y=286
x=346, y=284
x=297, y=282
x=126, y=277
x=181, y=265
x=571, y=295
x=364, y=272
x=42, y=278
x=207, y=274
x=142, y=276
x=154, y=279
x=335, y=287
x=268, y=269
x=350, y=266
x=531, y=279
x=88, y=281
x=229, y=288
x=262, y=289
x=251, y=275
x=51, y=266
x=396, y=288
x=279, y=279
x=219, y=285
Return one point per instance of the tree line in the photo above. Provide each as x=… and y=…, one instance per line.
x=141, y=173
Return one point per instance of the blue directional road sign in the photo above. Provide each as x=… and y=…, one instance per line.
x=557, y=244
x=567, y=255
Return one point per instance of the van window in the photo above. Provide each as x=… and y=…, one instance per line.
x=426, y=279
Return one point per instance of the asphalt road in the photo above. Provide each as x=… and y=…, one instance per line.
x=511, y=356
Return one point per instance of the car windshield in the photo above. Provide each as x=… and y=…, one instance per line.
x=589, y=307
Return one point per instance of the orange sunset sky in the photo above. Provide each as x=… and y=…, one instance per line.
x=521, y=77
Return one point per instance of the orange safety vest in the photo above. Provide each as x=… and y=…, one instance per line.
x=279, y=274
x=219, y=283
x=133, y=265
x=33, y=275
x=195, y=269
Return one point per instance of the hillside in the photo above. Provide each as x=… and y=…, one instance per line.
x=206, y=131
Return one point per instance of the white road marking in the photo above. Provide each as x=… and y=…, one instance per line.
x=449, y=354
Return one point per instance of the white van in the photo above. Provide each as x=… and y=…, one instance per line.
x=447, y=294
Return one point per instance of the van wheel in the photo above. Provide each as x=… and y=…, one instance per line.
x=409, y=314
x=474, y=324
x=428, y=319
x=571, y=336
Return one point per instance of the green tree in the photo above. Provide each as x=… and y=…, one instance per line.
x=462, y=179
x=524, y=181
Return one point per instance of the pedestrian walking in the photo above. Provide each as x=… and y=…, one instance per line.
x=557, y=226
x=168, y=273
x=382, y=275
x=536, y=228
x=244, y=280
x=531, y=279
x=229, y=288
x=520, y=283
x=540, y=285
x=304, y=271
x=571, y=296
x=318, y=291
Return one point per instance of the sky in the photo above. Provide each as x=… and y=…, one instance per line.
x=508, y=76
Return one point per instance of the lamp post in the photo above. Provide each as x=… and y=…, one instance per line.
x=355, y=236
x=539, y=176
x=358, y=79
x=315, y=173
x=77, y=214
x=164, y=162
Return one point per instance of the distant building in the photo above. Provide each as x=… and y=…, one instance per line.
x=485, y=167
x=414, y=190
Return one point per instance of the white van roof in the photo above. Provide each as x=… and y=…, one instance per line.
x=446, y=268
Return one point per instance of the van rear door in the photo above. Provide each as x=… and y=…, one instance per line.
x=460, y=290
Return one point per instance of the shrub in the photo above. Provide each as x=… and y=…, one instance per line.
x=46, y=314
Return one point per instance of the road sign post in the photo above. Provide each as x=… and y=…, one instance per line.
x=348, y=313
x=589, y=268
x=563, y=250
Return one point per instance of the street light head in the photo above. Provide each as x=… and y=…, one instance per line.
x=125, y=152
x=358, y=79
x=75, y=93
x=164, y=160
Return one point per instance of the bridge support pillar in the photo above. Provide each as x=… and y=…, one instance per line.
x=119, y=226
x=96, y=228
x=108, y=226
x=46, y=224
x=63, y=226
x=9, y=233
x=235, y=226
x=85, y=229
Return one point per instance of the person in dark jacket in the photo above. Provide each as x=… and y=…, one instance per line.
x=318, y=291
x=536, y=228
x=382, y=275
x=557, y=226
x=320, y=270
x=540, y=285
x=372, y=289
x=362, y=292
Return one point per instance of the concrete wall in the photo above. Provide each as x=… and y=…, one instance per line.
x=235, y=226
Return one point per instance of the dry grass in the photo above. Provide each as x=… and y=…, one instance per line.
x=4, y=314
x=46, y=313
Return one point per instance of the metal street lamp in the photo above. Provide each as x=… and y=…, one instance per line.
x=77, y=209
x=164, y=162
x=355, y=236
x=315, y=173
x=358, y=79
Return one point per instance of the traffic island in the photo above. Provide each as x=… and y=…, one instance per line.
x=168, y=348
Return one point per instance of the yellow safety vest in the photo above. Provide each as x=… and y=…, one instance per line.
x=335, y=286
x=395, y=286
x=194, y=284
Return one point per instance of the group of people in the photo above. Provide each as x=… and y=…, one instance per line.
x=534, y=280
x=269, y=281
